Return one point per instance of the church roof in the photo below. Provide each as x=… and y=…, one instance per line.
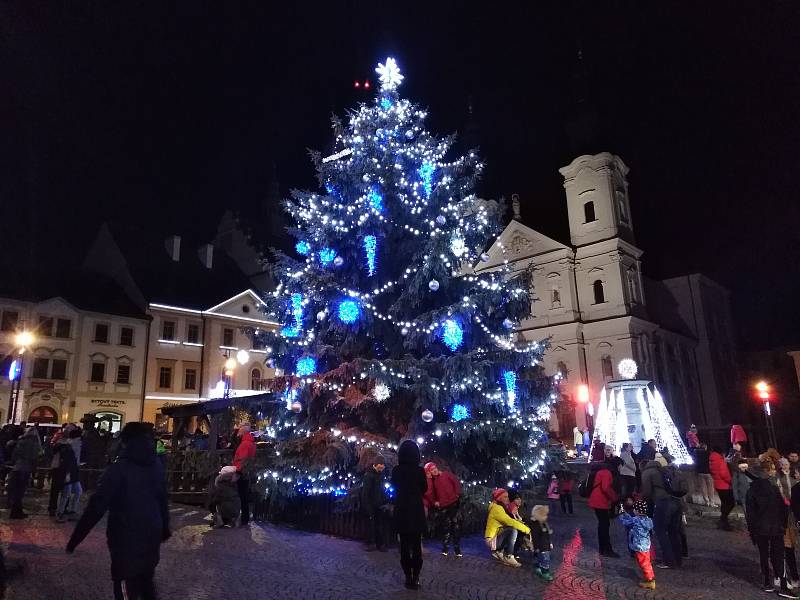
x=517, y=242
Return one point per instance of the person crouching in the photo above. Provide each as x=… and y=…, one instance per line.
x=225, y=497
x=541, y=533
x=501, y=529
x=639, y=526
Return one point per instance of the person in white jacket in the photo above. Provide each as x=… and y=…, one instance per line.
x=577, y=436
x=627, y=470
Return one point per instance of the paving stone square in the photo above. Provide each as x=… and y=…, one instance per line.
x=268, y=561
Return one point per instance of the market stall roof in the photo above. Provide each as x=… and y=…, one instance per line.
x=210, y=407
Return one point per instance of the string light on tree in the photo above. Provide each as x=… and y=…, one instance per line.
x=421, y=321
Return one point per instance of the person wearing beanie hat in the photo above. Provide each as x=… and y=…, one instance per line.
x=443, y=500
x=501, y=530
x=133, y=490
x=639, y=526
x=373, y=497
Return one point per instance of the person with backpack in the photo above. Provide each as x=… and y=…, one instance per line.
x=602, y=496
x=666, y=511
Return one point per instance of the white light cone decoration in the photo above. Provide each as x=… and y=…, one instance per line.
x=632, y=410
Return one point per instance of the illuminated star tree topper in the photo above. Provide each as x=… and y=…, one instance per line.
x=389, y=74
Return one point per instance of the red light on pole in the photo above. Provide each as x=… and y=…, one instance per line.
x=366, y=85
x=357, y=84
x=762, y=387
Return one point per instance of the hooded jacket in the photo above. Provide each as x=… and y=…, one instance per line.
x=133, y=490
x=499, y=518
x=410, y=485
x=765, y=509
x=372, y=490
x=26, y=452
x=719, y=471
x=602, y=494
x=639, y=528
x=652, y=487
x=67, y=471
x=628, y=466
x=245, y=452
x=445, y=489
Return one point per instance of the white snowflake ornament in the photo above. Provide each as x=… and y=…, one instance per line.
x=389, y=74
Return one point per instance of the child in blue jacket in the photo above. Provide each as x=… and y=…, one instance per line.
x=639, y=526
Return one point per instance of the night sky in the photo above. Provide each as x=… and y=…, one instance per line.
x=165, y=116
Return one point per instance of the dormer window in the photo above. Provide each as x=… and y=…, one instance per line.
x=588, y=212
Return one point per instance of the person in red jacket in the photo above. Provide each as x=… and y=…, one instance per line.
x=721, y=474
x=601, y=499
x=443, y=499
x=242, y=460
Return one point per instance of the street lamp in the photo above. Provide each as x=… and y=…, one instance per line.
x=588, y=408
x=763, y=395
x=230, y=366
x=23, y=340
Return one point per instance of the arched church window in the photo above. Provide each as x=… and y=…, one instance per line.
x=556, y=298
x=599, y=292
x=255, y=379
x=607, y=367
x=588, y=212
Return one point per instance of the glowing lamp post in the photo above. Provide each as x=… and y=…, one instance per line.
x=23, y=340
x=764, y=395
x=230, y=367
x=588, y=408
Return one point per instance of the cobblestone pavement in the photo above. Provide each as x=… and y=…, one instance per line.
x=264, y=561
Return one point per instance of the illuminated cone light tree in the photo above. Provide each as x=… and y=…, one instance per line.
x=632, y=410
x=386, y=328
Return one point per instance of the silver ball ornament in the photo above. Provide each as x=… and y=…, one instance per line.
x=484, y=257
x=321, y=315
x=508, y=323
x=365, y=178
x=440, y=220
x=338, y=261
x=433, y=285
x=404, y=331
x=427, y=416
x=296, y=407
x=410, y=133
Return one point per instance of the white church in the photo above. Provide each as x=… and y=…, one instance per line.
x=596, y=308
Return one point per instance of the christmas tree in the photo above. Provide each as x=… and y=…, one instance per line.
x=388, y=331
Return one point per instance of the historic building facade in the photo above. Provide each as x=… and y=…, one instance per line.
x=595, y=307
x=79, y=362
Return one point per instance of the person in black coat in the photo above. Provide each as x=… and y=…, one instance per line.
x=766, y=521
x=410, y=486
x=134, y=491
x=373, y=497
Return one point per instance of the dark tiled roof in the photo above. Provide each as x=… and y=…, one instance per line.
x=81, y=288
x=186, y=282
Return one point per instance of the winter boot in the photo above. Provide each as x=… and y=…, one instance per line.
x=648, y=585
x=768, y=586
x=457, y=550
x=409, y=578
x=784, y=591
x=415, y=578
x=446, y=545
